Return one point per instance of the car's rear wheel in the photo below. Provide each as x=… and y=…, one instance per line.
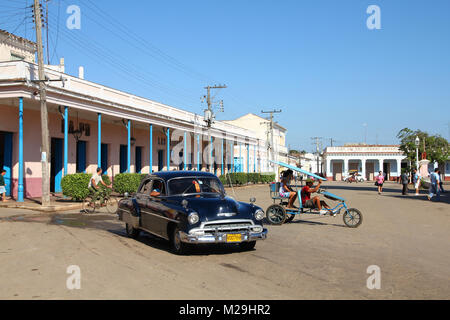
x=132, y=232
x=178, y=246
x=247, y=246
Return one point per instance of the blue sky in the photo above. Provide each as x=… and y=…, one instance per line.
x=316, y=60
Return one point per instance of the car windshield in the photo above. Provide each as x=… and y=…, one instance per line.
x=195, y=185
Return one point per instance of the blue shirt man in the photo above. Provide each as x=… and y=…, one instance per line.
x=434, y=185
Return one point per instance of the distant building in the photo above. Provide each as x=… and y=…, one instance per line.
x=14, y=48
x=311, y=162
x=368, y=160
x=263, y=151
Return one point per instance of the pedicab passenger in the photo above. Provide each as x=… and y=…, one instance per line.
x=315, y=202
x=286, y=191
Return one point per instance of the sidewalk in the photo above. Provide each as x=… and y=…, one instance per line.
x=58, y=204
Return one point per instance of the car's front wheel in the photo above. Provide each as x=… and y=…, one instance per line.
x=178, y=246
x=247, y=246
x=132, y=232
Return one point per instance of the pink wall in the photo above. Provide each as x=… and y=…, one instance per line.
x=113, y=135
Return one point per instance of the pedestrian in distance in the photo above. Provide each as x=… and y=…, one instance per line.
x=3, y=185
x=416, y=181
x=434, y=186
x=404, y=180
x=379, y=182
x=441, y=184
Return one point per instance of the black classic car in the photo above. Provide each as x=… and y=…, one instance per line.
x=190, y=207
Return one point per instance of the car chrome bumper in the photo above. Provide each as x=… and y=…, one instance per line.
x=222, y=237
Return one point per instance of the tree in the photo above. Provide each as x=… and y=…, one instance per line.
x=297, y=153
x=436, y=147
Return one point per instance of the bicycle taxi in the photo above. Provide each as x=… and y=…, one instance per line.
x=278, y=214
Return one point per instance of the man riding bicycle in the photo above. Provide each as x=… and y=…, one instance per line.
x=94, y=186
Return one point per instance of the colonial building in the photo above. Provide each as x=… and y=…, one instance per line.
x=265, y=149
x=367, y=159
x=93, y=125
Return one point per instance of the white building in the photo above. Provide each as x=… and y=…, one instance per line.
x=262, y=152
x=310, y=162
x=367, y=159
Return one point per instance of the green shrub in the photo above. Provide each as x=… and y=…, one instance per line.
x=127, y=182
x=224, y=180
x=267, y=177
x=76, y=185
x=242, y=178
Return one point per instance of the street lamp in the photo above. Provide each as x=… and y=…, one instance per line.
x=417, y=152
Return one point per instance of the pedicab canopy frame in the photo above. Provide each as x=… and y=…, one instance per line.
x=352, y=217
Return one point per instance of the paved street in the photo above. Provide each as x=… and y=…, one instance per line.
x=311, y=258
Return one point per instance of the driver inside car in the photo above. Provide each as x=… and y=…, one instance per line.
x=315, y=202
x=156, y=192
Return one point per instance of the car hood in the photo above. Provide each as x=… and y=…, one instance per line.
x=213, y=207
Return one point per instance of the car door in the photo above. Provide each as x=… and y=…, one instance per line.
x=153, y=211
x=142, y=198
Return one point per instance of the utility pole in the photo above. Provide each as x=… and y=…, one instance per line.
x=270, y=145
x=318, y=143
x=365, y=132
x=209, y=118
x=45, y=150
x=332, y=142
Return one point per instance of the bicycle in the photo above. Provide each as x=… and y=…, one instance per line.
x=92, y=202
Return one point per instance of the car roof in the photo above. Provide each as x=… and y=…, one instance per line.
x=167, y=175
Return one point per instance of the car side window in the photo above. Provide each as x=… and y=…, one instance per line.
x=146, y=187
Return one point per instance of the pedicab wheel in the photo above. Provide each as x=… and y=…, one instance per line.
x=111, y=205
x=247, y=246
x=89, y=205
x=353, y=218
x=289, y=217
x=276, y=214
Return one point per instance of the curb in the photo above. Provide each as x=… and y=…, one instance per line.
x=42, y=209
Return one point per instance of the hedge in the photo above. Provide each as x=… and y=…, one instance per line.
x=128, y=182
x=76, y=185
x=242, y=178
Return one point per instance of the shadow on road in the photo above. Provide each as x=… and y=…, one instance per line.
x=196, y=250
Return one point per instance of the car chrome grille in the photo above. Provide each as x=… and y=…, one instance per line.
x=226, y=227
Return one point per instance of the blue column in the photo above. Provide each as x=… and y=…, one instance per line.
x=99, y=140
x=232, y=157
x=66, y=140
x=168, y=149
x=241, y=163
x=185, y=151
x=254, y=158
x=211, y=159
x=198, y=152
x=222, y=172
x=248, y=158
x=151, y=149
x=20, y=189
x=129, y=147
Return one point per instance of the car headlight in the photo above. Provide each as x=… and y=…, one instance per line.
x=193, y=218
x=259, y=214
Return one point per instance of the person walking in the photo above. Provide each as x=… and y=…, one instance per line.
x=380, y=181
x=3, y=185
x=404, y=180
x=416, y=181
x=441, y=179
x=434, y=186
